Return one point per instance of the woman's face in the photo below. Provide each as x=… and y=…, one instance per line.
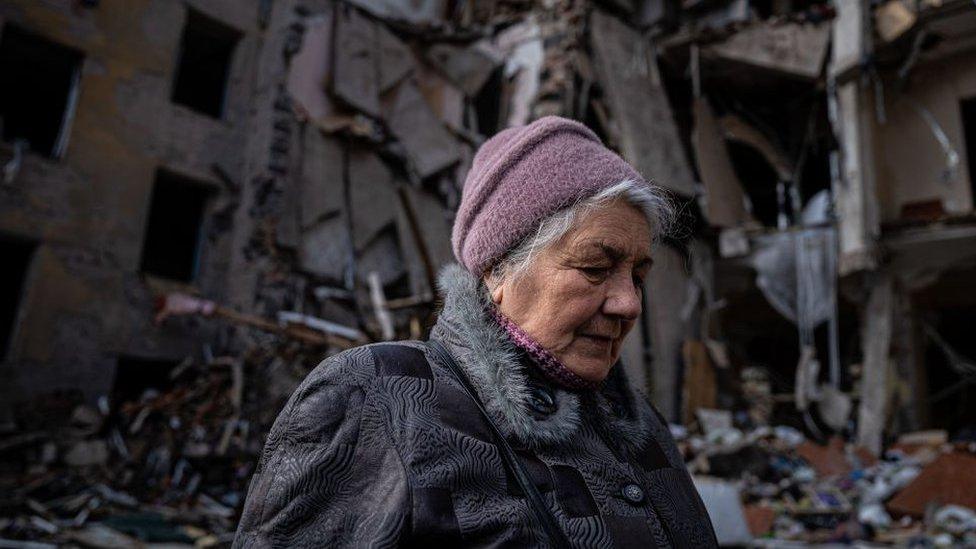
x=581, y=295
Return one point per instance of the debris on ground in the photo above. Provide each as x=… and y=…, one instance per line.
x=789, y=488
x=170, y=466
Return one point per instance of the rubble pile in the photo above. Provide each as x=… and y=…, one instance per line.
x=171, y=466
x=772, y=486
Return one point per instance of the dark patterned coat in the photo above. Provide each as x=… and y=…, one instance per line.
x=372, y=450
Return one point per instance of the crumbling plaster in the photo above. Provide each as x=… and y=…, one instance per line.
x=910, y=162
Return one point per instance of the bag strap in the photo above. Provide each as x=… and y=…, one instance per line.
x=536, y=502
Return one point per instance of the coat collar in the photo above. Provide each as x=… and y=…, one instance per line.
x=507, y=385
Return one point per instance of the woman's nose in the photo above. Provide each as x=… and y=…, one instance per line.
x=623, y=298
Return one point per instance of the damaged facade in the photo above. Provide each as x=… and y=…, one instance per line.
x=118, y=165
x=859, y=214
x=217, y=194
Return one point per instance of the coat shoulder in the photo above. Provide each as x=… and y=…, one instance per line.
x=335, y=390
x=360, y=366
x=328, y=475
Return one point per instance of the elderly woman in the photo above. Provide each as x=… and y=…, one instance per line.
x=514, y=425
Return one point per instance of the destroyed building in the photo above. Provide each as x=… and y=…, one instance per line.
x=240, y=188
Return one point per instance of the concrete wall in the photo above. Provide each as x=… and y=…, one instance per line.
x=85, y=303
x=909, y=160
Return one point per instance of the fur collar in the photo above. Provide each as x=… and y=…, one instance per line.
x=502, y=377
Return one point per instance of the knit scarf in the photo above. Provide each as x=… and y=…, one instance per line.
x=550, y=366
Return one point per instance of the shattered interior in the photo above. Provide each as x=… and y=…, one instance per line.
x=200, y=200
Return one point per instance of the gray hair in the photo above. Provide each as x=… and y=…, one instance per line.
x=649, y=200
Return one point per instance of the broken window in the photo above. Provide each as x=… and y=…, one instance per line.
x=206, y=50
x=968, y=107
x=16, y=259
x=134, y=376
x=174, y=228
x=40, y=89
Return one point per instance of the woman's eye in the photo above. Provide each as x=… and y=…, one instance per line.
x=594, y=272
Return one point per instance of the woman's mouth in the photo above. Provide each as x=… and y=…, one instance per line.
x=602, y=343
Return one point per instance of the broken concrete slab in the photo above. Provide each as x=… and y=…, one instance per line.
x=795, y=49
x=627, y=71
x=321, y=180
x=309, y=73
x=445, y=99
x=382, y=256
x=725, y=202
x=429, y=146
x=468, y=67
x=372, y=195
x=310, y=68
x=356, y=80
x=395, y=59
x=324, y=249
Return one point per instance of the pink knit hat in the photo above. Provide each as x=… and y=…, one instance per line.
x=523, y=175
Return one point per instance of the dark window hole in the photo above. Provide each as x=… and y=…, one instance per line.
x=40, y=87
x=17, y=256
x=174, y=229
x=206, y=50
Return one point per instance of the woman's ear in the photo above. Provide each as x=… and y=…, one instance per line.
x=496, y=294
x=494, y=286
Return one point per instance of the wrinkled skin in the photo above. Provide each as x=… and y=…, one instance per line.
x=582, y=294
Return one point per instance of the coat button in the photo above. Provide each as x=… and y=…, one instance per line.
x=542, y=401
x=632, y=493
